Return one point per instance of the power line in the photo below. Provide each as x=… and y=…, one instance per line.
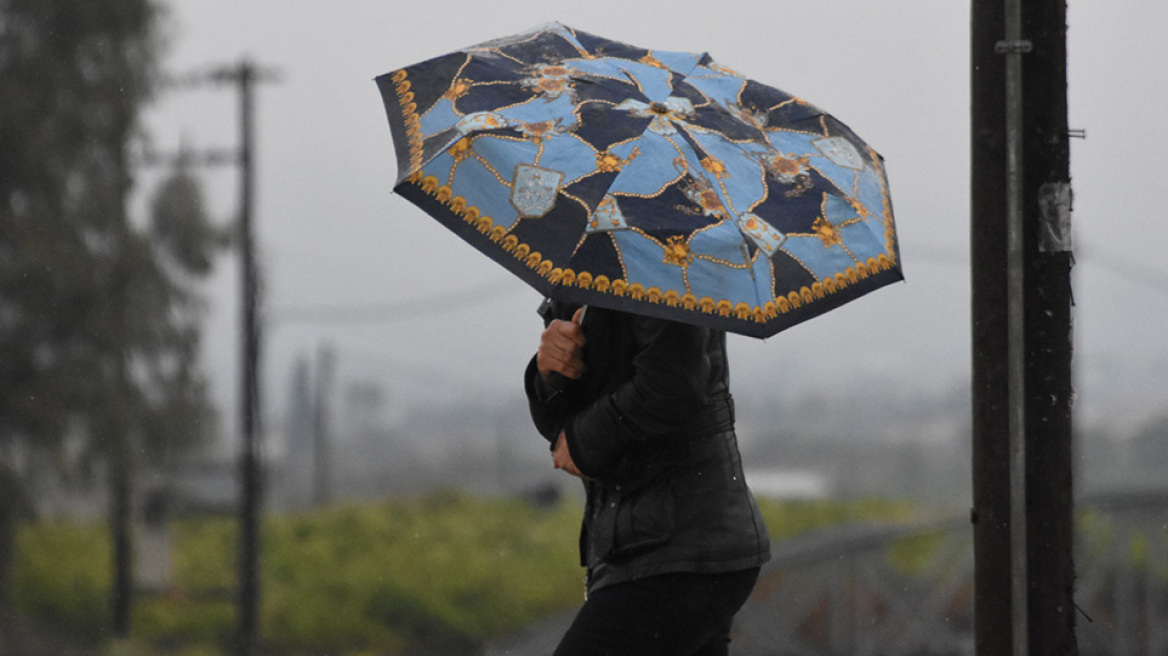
x=1128, y=268
x=1121, y=265
x=408, y=310
x=459, y=300
x=226, y=75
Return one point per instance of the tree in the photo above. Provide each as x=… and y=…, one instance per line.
x=184, y=243
x=98, y=316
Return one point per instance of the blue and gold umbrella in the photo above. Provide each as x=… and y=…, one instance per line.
x=653, y=182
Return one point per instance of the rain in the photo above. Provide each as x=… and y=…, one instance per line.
x=392, y=353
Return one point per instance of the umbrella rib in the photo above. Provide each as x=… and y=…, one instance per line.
x=467, y=57
x=730, y=214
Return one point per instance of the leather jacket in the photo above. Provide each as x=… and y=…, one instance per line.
x=651, y=424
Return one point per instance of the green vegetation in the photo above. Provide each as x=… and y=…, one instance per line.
x=101, y=308
x=786, y=519
x=62, y=575
x=440, y=573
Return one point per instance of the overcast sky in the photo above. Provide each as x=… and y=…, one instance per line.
x=440, y=319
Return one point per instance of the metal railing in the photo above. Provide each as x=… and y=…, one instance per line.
x=861, y=590
x=877, y=590
x=1122, y=562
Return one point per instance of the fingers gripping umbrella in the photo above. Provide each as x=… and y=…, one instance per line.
x=652, y=182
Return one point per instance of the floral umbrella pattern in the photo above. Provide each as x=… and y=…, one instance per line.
x=648, y=181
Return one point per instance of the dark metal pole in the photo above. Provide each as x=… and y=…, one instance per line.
x=1023, y=529
x=993, y=628
x=249, y=589
x=1049, y=483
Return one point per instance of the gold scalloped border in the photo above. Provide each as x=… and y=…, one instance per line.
x=547, y=269
x=410, y=118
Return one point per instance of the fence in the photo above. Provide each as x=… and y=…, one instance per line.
x=867, y=590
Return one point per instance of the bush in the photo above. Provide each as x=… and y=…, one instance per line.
x=411, y=572
x=61, y=576
x=441, y=573
x=786, y=519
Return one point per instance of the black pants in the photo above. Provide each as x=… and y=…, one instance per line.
x=665, y=615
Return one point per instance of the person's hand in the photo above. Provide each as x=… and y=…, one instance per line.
x=561, y=348
x=562, y=458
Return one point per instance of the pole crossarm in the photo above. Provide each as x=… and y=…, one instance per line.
x=203, y=158
x=218, y=75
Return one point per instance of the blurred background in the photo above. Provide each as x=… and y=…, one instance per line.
x=413, y=322
x=391, y=354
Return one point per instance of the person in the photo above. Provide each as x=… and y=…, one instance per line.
x=639, y=408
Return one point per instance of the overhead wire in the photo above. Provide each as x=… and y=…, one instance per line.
x=1121, y=265
x=395, y=311
x=1133, y=270
x=490, y=292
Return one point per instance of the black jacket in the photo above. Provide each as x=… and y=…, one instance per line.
x=652, y=424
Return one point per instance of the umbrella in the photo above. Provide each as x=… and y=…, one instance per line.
x=648, y=181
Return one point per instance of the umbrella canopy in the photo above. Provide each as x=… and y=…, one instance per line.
x=648, y=181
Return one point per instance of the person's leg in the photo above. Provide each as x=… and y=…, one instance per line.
x=666, y=615
x=719, y=643
x=735, y=595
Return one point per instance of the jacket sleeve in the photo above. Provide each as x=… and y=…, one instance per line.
x=547, y=412
x=669, y=386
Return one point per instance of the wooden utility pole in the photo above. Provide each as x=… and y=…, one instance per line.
x=1021, y=260
x=247, y=639
x=243, y=76
x=322, y=486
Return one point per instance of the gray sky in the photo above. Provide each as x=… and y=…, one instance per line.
x=333, y=236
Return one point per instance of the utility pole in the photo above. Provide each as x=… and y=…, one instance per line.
x=122, y=472
x=243, y=76
x=122, y=469
x=247, y=639
x=122, y=464
x=1021, y=260
x=321, y=451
